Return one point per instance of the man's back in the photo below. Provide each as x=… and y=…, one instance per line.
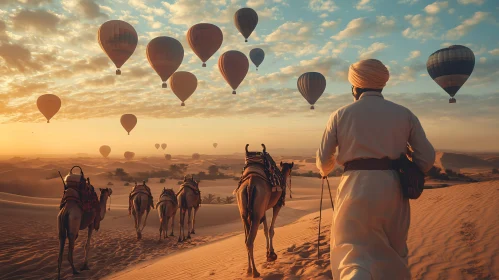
x=373, y=127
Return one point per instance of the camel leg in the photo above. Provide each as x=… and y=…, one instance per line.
x=173, y=223
x=266, y=231
x=87, y=247
x=62, y=241
x=251, y=240
x=189, y=223
x=246, y=232
x=72, y=238
x=139, y=221
x=272, y=256
x=145, y=220
x=194, y=220
x=165, y=231
x=181, y=235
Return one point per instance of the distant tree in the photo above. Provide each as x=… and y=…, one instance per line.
x=213, y=170
x=208, y=199
x=495, y=171
x=219, y=200
x=110, y=184
x=127, y=184
x=162, y=180
x=120, y=172
x=229, y=199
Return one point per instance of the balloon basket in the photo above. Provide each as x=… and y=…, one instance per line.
x=164, y=85
x=246, y=40
x=312, y=107
x=118, y=72
x=452, y=100
x=183, y=104
x=204, y=64
x=233, y=92
x=256, y=68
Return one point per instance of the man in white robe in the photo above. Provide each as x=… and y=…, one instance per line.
x=371, y=217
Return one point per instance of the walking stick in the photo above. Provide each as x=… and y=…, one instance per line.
x=320, y=212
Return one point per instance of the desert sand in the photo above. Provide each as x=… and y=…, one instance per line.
x=453, y=235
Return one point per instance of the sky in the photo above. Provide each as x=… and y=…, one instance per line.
x=51, y=47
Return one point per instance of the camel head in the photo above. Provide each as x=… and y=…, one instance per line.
x=286, y=167
x=107, y=191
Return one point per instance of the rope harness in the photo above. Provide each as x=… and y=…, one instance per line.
x=320, y=212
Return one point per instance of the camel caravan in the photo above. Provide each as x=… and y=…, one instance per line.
x=262, y=186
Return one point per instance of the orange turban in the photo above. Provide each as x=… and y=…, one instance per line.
x=369, y=73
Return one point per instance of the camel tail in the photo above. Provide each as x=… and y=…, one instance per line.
x=249, y=207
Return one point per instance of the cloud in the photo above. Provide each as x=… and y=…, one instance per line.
x=467, y=2
x=331, y=49
x=291, y=31
x=422, y=27
x=31, y=3
x=3, y=35
x=435, y=8
x=328, y=24
x=407, y=73
x=372, y=50
x=414, y=54
x=142, y=6
x=18, y=57
x=382, y=27
x=255, y=3
x=463, y=29
x=88, y=8
x=494, y=52
x=322, y=6
x=188, y=12
x=364, y=5
x=410, y=2
x=38, y=20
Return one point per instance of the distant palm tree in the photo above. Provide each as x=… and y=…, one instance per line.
x=209, y=199
x=229, y=200
x=219, y=200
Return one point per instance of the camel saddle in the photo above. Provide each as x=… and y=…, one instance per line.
x=263, y=165
x=167, y=196
x=84, y=196
x=141, y=189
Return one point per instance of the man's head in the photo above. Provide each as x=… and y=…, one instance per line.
x=367, y=75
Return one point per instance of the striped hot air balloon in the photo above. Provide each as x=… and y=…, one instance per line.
x=451, y=67
x=311, y=85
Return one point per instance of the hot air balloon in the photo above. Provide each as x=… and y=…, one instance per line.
x=163, y=146
x=183, y=84
x=129, y=155
x=257, y=55
x=118, y=39
x=204, y=39
x=246, y=20
x=215, y=145
x=105, y=150
x=168, y=157
x=451, y=67
x=128, y=121
x=156, y=145
x=49, y=105
x=165, y=55
x=195, y=156
x=311, y=85
x=234, y=66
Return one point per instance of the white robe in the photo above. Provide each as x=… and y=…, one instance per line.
x=371, y=218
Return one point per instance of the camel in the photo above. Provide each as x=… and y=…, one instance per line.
x=141, y=204
x=167, y=208
x=72, y=219
x=189, y=198
x=254, y=197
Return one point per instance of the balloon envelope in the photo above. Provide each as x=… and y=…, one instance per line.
x=129, y=155
x=246, y=20
x=163, y=146
x=311, y=86
x=105, y=150
x=168, y=157
x=204, y=39
x=183, y=84
x=451, y=67
x=156, y=145
x=215, y=145
x=195, y=156
x=49, y=105
x=257, y=55
x=128, y=121
x=118, y=39
x=165, y=55
x=233, y=66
